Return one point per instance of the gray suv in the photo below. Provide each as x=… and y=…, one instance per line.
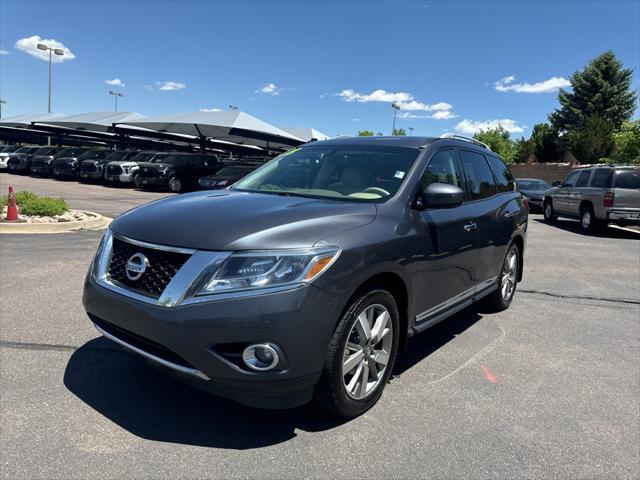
x=304, y=279
x=596, y=196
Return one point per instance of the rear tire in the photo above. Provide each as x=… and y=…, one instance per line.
x=137, y=181
x=360, y=355
x=548, y=212
x=588, y=221
x=500, y=299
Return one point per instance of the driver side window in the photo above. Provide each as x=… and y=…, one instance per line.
x=442, y=168
x=570, y=181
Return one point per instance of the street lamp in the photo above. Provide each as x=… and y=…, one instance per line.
x=57, y=51
x=395, y=107
x=410, y=131
x=116, y=94
x=2, y=102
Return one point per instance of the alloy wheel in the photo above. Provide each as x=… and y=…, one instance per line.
x=509, y=275
x=175, y=184
x=366, y=353
x=586, y=219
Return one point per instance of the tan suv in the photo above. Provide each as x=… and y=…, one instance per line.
x=596, y=196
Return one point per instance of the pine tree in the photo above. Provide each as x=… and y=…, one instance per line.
x=602, y=89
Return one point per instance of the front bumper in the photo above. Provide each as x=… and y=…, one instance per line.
x=154, y=182
x=299, y=321
x=64, y=171
x=41, y=169
x=17, y=166
x=122, y=178
x=91, y=175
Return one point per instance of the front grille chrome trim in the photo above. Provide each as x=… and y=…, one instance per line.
x=161, y=361
x=182, y=286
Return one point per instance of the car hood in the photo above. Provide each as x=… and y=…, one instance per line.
x=155, y=166
x=230, y=220
x=123, y=163
x=65, y=159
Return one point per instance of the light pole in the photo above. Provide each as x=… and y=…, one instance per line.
x=410, y=131
x=116, y=94
x=57, y=51
x=2, y=102
x=395, y=107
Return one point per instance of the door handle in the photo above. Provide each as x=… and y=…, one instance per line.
x=470, y=227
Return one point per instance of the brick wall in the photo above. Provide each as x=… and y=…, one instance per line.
x=545, y=171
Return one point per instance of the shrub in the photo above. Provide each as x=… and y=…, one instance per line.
x=31, y=204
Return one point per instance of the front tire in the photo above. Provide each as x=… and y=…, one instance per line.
x=176, y=185
x=360, y=355
x=548, y=212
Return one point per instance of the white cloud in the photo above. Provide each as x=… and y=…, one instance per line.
x=29, y=45
x=269, y=89
x=439, y=115
x=210, y=109
x=4, y=52
x=551, y=85
x=404, y=99
x=470, y=127
x=357, y=120
x=116, y=82
x=170, y=86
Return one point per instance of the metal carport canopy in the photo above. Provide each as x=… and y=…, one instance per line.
x=235, y=126
x=306, y=134
x=26, y=119
x=92, y=121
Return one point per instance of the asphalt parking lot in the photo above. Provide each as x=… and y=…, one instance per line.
x=547, y=389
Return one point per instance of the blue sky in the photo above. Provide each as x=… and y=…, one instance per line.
x=334, y=66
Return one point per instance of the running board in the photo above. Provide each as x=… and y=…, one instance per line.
x=442, y=315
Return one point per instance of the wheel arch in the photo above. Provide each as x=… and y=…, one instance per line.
x=396, y=286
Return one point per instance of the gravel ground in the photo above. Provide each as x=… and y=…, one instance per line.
x=547, y=389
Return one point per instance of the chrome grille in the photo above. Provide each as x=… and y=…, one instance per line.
x=163, y=266
x=114, y=170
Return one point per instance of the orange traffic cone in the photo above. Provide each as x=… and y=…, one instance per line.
x=12, y=209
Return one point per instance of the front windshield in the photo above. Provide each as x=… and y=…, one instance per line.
x=70, y=152
x=178, y=160
x=532, y=184
x=45, y=151
x=91, y=154
x=116, y=156
x=160, y=157
x=352, y=173
x=9, y=149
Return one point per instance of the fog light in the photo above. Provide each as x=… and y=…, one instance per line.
x=261, y=357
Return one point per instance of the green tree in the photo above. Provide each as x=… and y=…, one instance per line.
x=365, y=133
x=399, y=132
x=602, y=89
x=524, y=150
x=499, y=141
x=592, y=142
x=626, y=143
x=544, y=139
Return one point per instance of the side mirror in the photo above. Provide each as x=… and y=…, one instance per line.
x=440, y=195
x=556, y=183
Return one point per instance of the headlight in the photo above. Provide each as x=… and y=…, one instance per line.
x=270, y=268
x=94, y=268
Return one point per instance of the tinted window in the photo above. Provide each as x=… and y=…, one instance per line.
x=478, y=174
x=234, y=171
x=628, y=178
x=45, y=151
x=92, y=154
x=601, y=178
x=177, y=160
x=583, y=178
x=570, y=181
x=504, y=179
x=442, y=168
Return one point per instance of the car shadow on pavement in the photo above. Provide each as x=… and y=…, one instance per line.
x=157, y=407
x=609, y=232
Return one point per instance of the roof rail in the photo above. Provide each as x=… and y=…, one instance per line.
x=466, y=139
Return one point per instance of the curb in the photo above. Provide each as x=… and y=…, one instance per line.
x=97, y=223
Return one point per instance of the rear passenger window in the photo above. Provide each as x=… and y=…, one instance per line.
x=583, y=179
x=442, y=168
x=478, y=174
x=601, y=178
x=504, y=179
